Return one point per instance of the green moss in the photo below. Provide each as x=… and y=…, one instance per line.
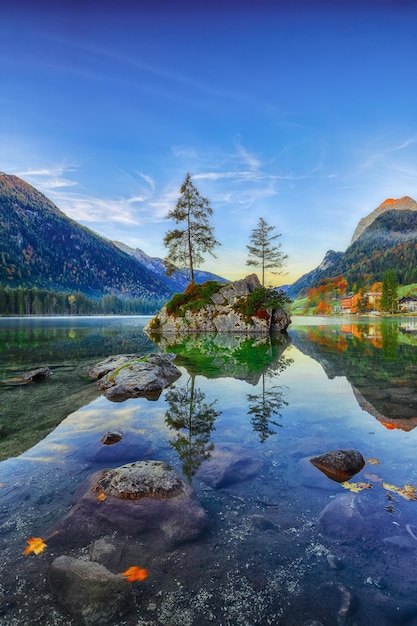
x=129, y=364
x=194, y=298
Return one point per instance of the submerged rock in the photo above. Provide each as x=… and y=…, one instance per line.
x=89, y=590
x=132, y=376
x=339, y=465
x=340, y=519
x=401, y=542
x=142, y=498
x=109, y=438
x=39, y=373
x=229, y=464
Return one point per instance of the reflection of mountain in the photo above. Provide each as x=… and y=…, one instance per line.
x=406, y=423
x=238, y=356
x=380, y=367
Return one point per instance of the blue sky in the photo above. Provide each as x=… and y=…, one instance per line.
x=304, y=113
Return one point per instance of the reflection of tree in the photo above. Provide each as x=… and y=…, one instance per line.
x=188, y=412
x=390, y=341
x=267, y=404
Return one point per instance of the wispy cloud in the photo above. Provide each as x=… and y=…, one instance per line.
x=148, y=180
x=49, y=178
x=244, y=155
x=384, y=151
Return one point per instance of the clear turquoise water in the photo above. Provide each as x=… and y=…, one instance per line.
x=264, y=409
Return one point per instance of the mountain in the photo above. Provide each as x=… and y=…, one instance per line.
x=177, y=281
x=385, y=239
x=41, y=247
x=401, y=204
x=305, y=282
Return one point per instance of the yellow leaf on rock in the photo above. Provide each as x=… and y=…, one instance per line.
x=36, y=545
x=356, y=487
x=135, y=573
x=101, y=496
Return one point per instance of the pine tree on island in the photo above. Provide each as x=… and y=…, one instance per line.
x=194, y=235
x=262, y=253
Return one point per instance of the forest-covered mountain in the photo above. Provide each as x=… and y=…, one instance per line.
x=388, y=241
x=40, y=247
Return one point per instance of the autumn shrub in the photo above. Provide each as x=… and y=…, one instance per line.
x=262, y=314
x=256, y=303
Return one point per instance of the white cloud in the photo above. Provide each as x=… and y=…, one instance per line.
x=49, y=178
x=148, y=179
x=184, y=152
x=249, y=159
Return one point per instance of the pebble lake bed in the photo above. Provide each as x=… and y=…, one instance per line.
x=252, y=532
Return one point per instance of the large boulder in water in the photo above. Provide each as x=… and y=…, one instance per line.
x=339, y=465
x=142, y=498
x=132, y=376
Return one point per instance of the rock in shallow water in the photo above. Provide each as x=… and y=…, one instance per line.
x=110, y=438
x=142, y=498
x=143, y=479
x=89, y=590
x=132, y=376
x=38, y=374
x=341, y=520
x=229, y=464
x=339, y=465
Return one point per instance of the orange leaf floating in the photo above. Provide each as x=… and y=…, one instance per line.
x=101, y=496
x=374, y=461
x=135, y=573
x=36, y=545
x=408, y=491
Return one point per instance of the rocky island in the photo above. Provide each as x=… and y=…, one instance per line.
x=241, y=306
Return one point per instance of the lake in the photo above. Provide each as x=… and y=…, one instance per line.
x=283, y=544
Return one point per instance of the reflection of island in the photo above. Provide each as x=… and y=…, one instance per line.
x=194, y=420
x=245, y=357
x=379, y=363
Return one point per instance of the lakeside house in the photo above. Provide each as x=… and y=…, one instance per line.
x=408, y=304
x=351, y=304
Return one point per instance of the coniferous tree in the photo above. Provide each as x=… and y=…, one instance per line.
x=194, y=235
x=262, y=251
x=389, y=298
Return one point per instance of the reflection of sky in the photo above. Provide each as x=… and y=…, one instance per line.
x=318, y=407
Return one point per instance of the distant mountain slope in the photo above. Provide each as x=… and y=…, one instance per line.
x=41, y=247
x=401, y=204
x=390, y=242
x=306, y=281
x=385, y=239
x=177, y=281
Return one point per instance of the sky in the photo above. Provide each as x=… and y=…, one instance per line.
x=303, y=112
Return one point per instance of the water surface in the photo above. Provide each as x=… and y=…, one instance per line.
x=274, y=553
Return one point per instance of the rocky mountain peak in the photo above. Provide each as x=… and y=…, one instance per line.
x=398, y=204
